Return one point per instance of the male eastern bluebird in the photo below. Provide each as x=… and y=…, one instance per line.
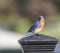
x=36, y=27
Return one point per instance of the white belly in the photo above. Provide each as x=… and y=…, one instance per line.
x=38, y=30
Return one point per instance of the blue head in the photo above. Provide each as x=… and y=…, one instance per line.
x=41, y=17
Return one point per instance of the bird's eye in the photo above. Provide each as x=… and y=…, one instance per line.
x=39, y=18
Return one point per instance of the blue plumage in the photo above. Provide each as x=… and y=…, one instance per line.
x=34, y=26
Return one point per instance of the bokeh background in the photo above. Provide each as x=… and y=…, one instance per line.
x=17, y=16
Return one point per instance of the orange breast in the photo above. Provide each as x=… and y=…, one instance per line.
x=41, y=24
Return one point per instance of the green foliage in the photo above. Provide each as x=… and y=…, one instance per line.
x=22, y=3
x=16, y=24
x=57, y=3
x=23, y=25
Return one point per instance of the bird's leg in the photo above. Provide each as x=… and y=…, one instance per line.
x=33, y=33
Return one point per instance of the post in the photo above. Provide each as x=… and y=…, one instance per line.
x=38, y=43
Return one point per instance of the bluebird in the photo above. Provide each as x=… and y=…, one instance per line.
x=36, y=27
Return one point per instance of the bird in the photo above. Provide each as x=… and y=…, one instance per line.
x=36, y=27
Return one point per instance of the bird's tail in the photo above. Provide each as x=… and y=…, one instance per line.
x=27, y=34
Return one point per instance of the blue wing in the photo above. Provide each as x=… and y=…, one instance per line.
x=34, y=26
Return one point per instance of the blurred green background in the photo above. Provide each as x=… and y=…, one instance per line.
x=19, y=15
